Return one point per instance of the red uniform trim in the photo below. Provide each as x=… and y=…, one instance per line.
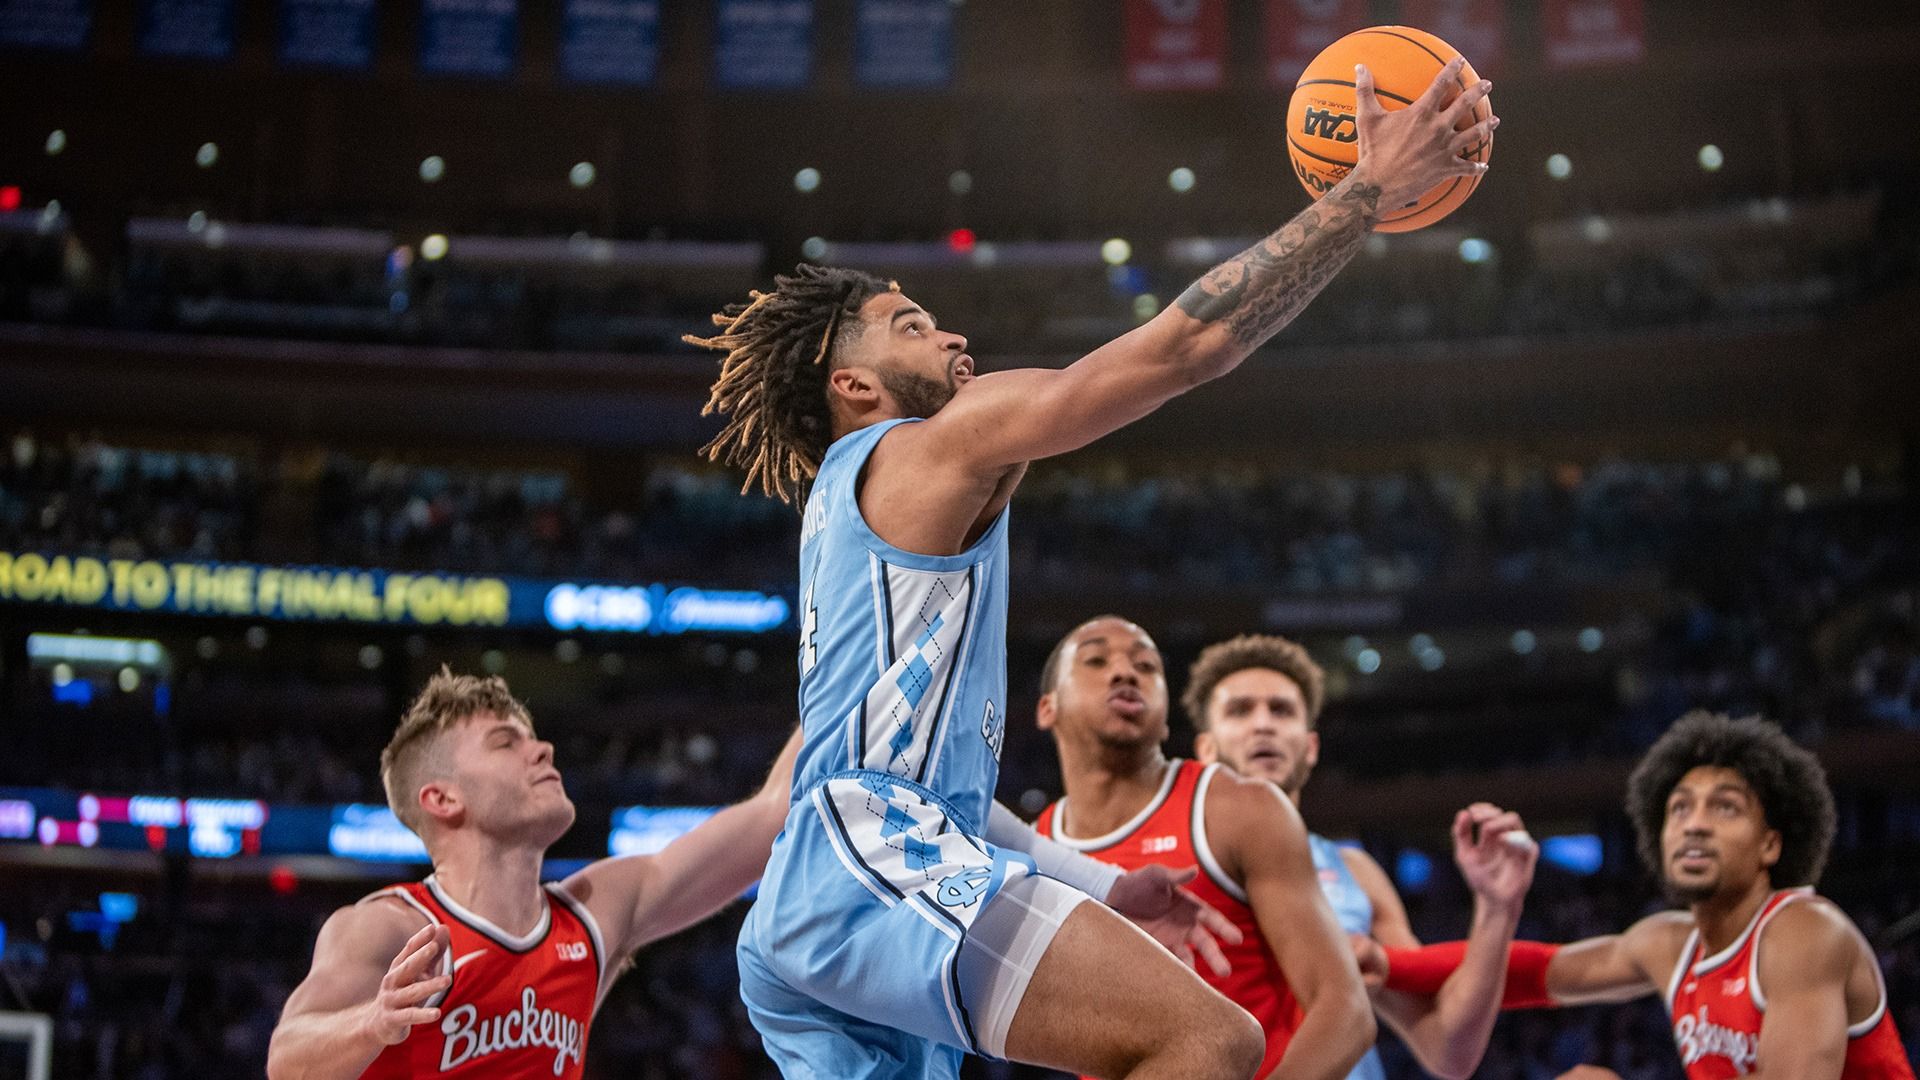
x=1171, y=831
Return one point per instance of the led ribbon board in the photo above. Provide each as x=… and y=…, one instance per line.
x=382, y=597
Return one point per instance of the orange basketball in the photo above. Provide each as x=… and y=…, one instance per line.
x=1322, y=138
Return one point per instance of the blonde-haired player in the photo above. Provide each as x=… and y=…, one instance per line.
x=480, y=970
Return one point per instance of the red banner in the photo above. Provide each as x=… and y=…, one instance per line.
x=1476, y=27
x=1298, y=29
x=1588, y=33
x=1176, y=44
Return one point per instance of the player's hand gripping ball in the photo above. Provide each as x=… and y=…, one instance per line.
x=1323, y=134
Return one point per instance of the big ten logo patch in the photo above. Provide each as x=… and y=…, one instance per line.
x=1158, y=845
x=965, y=888
x=993, y=728
x=572, y=950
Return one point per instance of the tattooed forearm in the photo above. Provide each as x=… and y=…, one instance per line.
x=1261, y=289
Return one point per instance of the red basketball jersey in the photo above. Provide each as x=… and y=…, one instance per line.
x=1717, y=1006
x=1172, y=831
x=518, y=1006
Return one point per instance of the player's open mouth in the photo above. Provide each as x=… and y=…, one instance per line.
x=1265, y=754
x=963, y=367
x=1693, y=858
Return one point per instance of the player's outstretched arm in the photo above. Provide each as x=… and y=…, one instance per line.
x=1602, y=970
x=1618, y=967
x=642, y=898
x=1811, y=949
x=1258, y=837
x=1006, y=418
x=1448, y=1032
x=368, y=987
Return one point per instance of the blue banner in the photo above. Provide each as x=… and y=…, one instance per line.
x=610, y=41
x=469, y=37
x=763, y=44
x=46, y=24
x=190, y=29
x=382, y=597
x=904, y=43
x=328, y=33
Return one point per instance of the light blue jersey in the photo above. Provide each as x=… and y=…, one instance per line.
x=903, y=657
x=1354, y=909
x=848, y=958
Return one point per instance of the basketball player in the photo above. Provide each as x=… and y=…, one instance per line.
x=896, y=929
x=1255, y=704
x=1105, y=700
x=1762, y=977
x=480, y=970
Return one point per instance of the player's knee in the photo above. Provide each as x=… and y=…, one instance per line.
x=1230, y=1042
x=1246, y=1045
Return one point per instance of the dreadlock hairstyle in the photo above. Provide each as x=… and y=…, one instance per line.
x=773, y=383
x=1787, y=778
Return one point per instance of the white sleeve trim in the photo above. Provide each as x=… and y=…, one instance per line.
x=1680, y=967
x=1201, y=849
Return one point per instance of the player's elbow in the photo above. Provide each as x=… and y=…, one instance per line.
x=1460, y=1066
x=1360, y=1020
x=1350, y=1013
x=1452, y=1059
x=1203, y=357
x=280, y=1063
x=1451, y=1066
x=1187, y=351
